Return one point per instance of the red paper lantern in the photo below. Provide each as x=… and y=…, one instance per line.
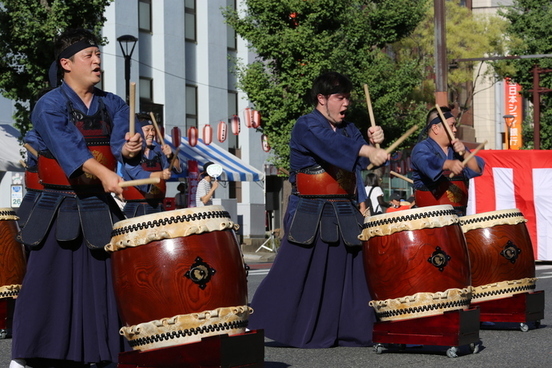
x=235, y=123
x=247, y=117
x=207, y=134
x=264, y=143
x=192, y=136
x=222, y=131
x=175, y=135
x=256, y=119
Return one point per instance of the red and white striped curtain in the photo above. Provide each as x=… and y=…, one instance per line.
x=518, y=179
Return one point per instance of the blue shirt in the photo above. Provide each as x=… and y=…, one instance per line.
x=313, y=142
x=427, y=160
x=52, y=122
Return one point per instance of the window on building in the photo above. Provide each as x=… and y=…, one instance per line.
x=191, y=106
x=230, y=32
x=146, y=89
x=190, y=20
x=144, y=15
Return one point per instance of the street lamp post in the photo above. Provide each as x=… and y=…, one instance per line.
x=129, y=42
x=508, y=119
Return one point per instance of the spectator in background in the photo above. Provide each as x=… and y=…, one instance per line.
x=375, y=202
x=398, y=203
x=206, y=188
x=181, y=198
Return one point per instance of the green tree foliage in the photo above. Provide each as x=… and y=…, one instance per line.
x=531, y=22
x=297, y=40
x=27, y=32
x=468, y=36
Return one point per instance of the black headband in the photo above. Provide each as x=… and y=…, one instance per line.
x=437, y=120
x=74, y=48
x=66, y=53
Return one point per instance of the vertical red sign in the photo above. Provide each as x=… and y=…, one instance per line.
x=514, y=106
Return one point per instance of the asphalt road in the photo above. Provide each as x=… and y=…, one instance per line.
x=501, y=345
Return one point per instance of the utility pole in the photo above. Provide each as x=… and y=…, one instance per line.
x=441, y=64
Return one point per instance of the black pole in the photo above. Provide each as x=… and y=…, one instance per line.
x=126, y=39
x=127, y=78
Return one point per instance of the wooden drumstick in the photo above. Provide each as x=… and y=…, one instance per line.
x=174, y=159
x=157, y=130
x=470, y=156
x=370, y=111
x=132, y=117
x=392, y=147
x=133, y=183
x=401, y=177
x=132, y=108
x=31, y=149
x=445, y=124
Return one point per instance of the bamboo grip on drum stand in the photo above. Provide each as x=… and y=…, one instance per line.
x=370, y=111
x=392, y=147
x=133, y=183
x=470, y=156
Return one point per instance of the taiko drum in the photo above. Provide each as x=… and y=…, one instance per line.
x=501, y=254
x=452, y=191
x=178, y=276
x=416, y=262
x=12, y=256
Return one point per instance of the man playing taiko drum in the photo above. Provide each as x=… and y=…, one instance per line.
x=315, y=295
x=435, y=158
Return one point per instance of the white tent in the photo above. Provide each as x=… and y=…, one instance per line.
x=9, y=149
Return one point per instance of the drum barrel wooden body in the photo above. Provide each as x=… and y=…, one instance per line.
x=417, y=251
x=500, y=251
x=151, y=280
x=12, y=256
x=453, y=191
x=180, y=275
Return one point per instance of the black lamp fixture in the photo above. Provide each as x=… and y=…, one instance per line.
x=127, y=42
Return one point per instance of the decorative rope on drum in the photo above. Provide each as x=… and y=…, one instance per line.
x=502, y=289
x=8, y=214
x=187, y=328
x=486, y=220
x=168, y=225
x=422, y=304
x=9, y=291
x=386, y=224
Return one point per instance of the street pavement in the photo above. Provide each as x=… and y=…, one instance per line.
x=501, y=345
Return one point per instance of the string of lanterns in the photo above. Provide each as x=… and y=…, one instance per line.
x=252, y=119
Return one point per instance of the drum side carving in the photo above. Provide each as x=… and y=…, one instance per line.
x=200, y=273
x=510, y=252
x=439, y=259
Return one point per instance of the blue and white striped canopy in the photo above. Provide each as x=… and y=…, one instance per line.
x=234, y=169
